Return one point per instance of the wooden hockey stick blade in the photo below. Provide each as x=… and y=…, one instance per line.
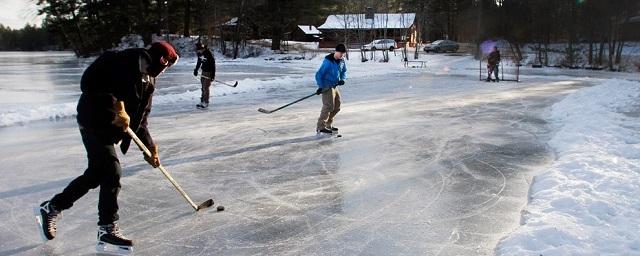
x=205, y=204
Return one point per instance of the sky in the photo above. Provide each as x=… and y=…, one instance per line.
x=17, y=13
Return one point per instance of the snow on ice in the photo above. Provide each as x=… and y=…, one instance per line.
x=588, y=201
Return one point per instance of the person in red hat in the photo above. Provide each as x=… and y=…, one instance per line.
x=117, y=89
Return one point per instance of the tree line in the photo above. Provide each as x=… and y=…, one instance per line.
x=90, y=26
x=599, y=24
x=29, y=38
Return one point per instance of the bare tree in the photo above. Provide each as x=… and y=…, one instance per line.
x=385, y=21
x=619, y=13
x=237, y=38
x=187, y=18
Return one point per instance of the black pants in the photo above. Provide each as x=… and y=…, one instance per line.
x=104, y=171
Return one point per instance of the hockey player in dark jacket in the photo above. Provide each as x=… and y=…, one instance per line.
x=208, y=64
x=117, y=90
x=493, y=61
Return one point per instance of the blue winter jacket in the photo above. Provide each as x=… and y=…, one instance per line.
x=330, y=72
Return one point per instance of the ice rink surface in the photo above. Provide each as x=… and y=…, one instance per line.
x=429, y=164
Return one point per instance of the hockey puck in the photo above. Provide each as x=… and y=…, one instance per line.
x=339, y=135
x=220, y=208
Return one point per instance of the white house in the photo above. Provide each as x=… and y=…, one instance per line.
x=399, y=26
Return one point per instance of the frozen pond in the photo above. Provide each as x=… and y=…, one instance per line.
x=429, y=164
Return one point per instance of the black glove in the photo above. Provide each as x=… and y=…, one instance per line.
x=341, y=82
x=319, y=91
x=195, y=72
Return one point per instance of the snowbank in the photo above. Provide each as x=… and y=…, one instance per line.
x=630, y=61
x=247, y=85
x=588, y=202
x=130, y=41
x=21, y=115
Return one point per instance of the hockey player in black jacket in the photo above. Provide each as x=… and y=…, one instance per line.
x=208, y=64
x=117, y=90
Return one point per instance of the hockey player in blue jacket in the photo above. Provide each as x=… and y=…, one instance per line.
x=332, y=73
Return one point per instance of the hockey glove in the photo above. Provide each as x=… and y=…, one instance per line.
x=341, y=82
x=153, y=160
x=122, y=118
x=319, y=91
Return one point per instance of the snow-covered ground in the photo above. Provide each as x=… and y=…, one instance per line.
x=432, y=161
x=588, y=201
x=557, y=54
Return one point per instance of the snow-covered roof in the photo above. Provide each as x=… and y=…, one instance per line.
x=309, y=29
x=232, y=22
x=380, y=21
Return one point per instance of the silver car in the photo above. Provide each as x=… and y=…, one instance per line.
x=380, y=44
x=442, y=46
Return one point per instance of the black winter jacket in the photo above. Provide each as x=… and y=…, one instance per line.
x=117, y=76
x=207, y=62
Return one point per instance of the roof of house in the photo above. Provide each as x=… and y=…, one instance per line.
x=309, y=29
x=379, y=21
x=232, y=22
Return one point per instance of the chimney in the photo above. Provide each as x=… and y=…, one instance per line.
x=369, y=13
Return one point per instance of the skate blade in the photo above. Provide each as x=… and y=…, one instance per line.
x=111, y=249
x=36, y=212
x=321, y=135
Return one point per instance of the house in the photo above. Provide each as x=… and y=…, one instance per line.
x=360, y=29
x=232, y=22
x=228, y=28
x=306, y=33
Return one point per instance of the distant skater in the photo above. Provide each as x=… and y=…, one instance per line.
x=208, y=65
x=493, y=61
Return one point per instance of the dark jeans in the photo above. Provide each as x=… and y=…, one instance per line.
x=205, y=80
x=493, y=69
x=104, y=171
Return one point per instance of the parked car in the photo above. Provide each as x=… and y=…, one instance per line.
x=380, y=44
x=442, y=46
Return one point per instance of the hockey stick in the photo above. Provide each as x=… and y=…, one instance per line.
x=234, y=85
x=146, y=151
x=218, y=81
x=262, y=110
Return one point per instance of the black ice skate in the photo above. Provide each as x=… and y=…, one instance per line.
x=324, y=131
x=46, y=216
x=110, y=240
x=202, y=105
